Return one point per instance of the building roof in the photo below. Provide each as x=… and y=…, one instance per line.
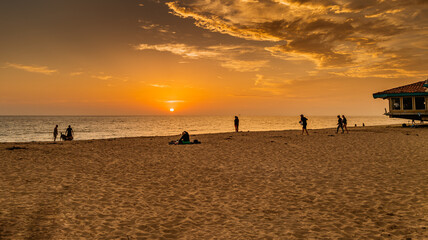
x=414, y=89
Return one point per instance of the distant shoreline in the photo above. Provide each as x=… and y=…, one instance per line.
x=351, y=128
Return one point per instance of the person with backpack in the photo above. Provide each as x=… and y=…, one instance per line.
x=304, y=122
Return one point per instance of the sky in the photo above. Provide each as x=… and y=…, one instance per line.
x=208, y=57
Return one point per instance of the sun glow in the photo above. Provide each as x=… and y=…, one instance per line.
x=171, y=109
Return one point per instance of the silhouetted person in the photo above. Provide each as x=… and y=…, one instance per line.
x=236, y=124
x=339, y=124
x=345, y=122
x=304, y=122
x=364, y=125
x=55, y=132
x=69, y=133
x=184, y=138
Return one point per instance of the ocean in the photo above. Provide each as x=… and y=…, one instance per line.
x=40, y=128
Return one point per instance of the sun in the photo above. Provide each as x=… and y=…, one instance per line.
x=171, y=109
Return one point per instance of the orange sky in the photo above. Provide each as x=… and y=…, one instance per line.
x=252, y=57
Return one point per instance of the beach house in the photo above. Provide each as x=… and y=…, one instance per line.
x=409, y=101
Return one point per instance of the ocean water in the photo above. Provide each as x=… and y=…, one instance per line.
x=40, y=128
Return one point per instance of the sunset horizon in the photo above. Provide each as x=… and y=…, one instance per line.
x=276, y=57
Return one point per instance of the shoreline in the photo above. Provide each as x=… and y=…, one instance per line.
x=29, y=129
x=231, y=132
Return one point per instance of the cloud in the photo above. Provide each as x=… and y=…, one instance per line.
x=244, y=66
x=34, y=69
x=276, y=51
x=268, y=87
x=148, y=25
x=102, y=77
x=217, y=24
x=332, y=33
x=275, y=86
x=179, y=49
x=159, y=85
x=76, y=73
x=229, y=56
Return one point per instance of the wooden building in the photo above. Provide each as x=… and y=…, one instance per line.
x=409, y=101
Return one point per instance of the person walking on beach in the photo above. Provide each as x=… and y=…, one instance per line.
x=236, y=124
x=304, y=122
x=55, y=132
x=345, y=122
x=339, y=124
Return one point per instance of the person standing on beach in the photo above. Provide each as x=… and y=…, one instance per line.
x=69, y=133
x=339, y=124
x=345, y=122
x=236, y=124
x=304, y=122
x=55, y=132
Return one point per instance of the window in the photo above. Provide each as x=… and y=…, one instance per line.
x=396, y=104
x=420, y=103
x=407, y=103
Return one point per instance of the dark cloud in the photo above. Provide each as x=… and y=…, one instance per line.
x=360, y=5
x=333, y=33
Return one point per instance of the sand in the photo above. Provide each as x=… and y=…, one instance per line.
x=369, y=184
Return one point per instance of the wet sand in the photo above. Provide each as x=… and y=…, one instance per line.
x=369, y=184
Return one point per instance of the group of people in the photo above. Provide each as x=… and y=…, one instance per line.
x=68, y=136
x=342, y=123
x=185, y=138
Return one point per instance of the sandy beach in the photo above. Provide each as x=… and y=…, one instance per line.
x=369, y=184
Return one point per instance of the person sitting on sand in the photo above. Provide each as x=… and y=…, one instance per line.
x=184, y=138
